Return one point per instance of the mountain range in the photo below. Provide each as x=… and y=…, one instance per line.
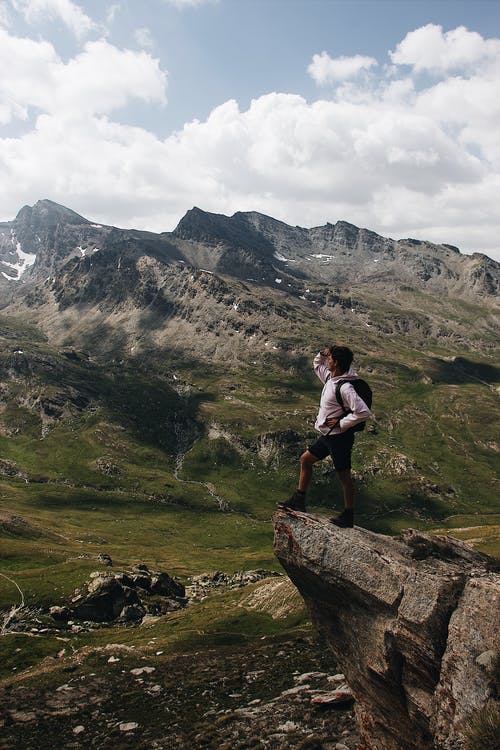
x=247, y=278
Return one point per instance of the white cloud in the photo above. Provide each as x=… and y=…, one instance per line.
x=38, y=79
x=4, y=15
x=428, y=48
x=144, y=38
x=382, y=154
x=112, y=12
x=188, y=3
x=36, y=11
x=325, y=69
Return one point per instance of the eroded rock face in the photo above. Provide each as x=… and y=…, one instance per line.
x=410, y=622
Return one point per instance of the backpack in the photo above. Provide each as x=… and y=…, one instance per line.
x=364, y=392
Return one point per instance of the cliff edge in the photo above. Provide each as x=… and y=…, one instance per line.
x=412, y=622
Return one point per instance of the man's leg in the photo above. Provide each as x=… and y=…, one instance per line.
x=341, y=456
x=307, y=461
x=347, y=488
x=346, y=519
x=298, y=500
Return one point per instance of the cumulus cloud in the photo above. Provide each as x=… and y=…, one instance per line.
x=428, y=48
x=390, y=155
x=325, y=69
x=64, y=10
x=38, y=79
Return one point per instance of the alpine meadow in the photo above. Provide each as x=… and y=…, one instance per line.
x=156, y=392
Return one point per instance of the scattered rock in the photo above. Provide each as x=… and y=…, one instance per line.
x=201, y=585
x=122, y=597
x=341, y=697
x=128, y=726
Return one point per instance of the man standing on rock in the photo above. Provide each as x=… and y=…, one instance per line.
x=335, y=425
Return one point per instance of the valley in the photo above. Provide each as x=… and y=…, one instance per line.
x=157, y=390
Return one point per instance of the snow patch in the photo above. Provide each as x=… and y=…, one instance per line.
x=281, y=257
x=26, y=260
x=322, y=256
x=278, y=281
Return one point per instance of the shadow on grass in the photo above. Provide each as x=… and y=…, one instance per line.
x=461, y=370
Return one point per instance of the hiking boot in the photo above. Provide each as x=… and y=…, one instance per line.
x=345, y=520
x=296, y=502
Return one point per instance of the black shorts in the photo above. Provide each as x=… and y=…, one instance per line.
x=339, y=447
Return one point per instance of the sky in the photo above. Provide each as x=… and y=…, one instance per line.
x=382, y=113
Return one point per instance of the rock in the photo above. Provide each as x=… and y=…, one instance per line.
x=128, y=726
x=164, y=585
x=336, y=698
x=60, y=613
x=105, y=559
x=105, y=601
x=488, y=660
x=202, y=584
x=132, y=613
x=142, y=670
x=407, y=620
x=122, y=596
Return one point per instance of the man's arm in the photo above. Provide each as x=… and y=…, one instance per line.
x=320, y=366
x=359, y=411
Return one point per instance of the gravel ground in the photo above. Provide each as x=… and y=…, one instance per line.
x=258, y=698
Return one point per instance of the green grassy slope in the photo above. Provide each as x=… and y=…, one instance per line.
x=178, y=462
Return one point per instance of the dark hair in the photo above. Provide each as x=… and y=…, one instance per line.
x=342, y=356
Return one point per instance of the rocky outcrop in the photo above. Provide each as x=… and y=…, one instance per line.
x=123, y=596
x=412, y=622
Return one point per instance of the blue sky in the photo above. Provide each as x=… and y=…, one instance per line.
x=384, y=113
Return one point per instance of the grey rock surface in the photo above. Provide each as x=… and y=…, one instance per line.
x=412, y=622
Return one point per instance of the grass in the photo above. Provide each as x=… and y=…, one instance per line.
x=218, y=621
x=104, y=476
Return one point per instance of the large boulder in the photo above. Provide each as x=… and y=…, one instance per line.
x=412, y=623
x=124, y=596
x=106, y=598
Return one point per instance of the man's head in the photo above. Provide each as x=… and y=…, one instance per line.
x=342, y=357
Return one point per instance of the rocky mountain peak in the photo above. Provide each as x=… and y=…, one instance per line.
x=412, y=623
x=45, y=213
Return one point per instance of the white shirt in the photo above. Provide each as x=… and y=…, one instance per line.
x=330, y=407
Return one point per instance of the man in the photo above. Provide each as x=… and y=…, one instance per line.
x=337, y=438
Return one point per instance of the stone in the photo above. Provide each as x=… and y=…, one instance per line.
x=164, y=585
x=128, y=726
x=411, y=622
x=341, y=697
x=123, y=596
x=60, y=613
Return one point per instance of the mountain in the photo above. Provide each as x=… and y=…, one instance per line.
x=248, y=277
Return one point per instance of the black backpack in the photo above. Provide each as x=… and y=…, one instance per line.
x=364, y=392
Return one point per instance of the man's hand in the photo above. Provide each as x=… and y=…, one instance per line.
x=331, y=421
x=325, y=352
